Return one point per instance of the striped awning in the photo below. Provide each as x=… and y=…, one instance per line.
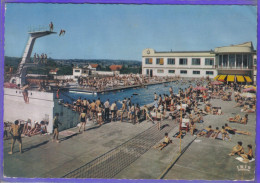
x=248, y=79
x=215, y=78
x=222, y=77
x=231, y=78
x=240, y=79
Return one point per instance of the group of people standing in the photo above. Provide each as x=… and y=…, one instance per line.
x=40, y=59
x=101, y=111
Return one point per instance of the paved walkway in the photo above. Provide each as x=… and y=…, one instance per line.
x=44, y=158
x=204, y=159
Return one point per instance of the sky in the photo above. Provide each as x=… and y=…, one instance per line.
x=99, y=31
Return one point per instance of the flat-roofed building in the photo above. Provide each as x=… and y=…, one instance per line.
x=236, y=60
x=228, y=60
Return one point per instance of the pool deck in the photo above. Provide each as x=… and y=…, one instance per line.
x=80, y=89
x=204, y=159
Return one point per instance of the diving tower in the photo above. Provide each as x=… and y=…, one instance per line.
x=19, y=77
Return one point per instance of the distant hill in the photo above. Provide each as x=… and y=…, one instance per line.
x=102, y=62
x=65, y=65
x=14, y=61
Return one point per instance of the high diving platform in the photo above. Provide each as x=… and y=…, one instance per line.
x=19, y=77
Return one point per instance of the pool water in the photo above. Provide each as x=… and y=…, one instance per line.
x=144, y=95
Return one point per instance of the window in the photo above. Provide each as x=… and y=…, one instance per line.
x=171, y=61
x=159, y=61
x=245, y=58
x=183, y=61
x=160, y=71
x=148, y=61
x=76, y=70
x=254, y=61
x=209, y=61
x=238, y=60
x=209, y=72
x=225, y=60
x=220, y=60
x=147, y=71
x=195, y=61
x=171, y=71
x=232, y=60
x=196, y=72
x=183, y=71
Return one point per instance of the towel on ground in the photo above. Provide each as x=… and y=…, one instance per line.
x=242, y=160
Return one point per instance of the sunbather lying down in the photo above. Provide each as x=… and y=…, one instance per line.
x=236, y=119
x=205, y=131
x=233, y=131
x=166, y=141
x=214, y=135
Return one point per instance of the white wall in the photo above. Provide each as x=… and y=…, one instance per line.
x=77, y=73
x=40, y=106
x=108, y=73
x=189, y=67
x=64, y=77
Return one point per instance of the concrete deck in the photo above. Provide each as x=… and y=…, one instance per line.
x=204, y=159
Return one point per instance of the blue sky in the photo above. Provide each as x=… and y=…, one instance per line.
x=123, y=31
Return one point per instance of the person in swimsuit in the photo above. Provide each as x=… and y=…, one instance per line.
x=83, y=119
x=248, y=156
x=236, y=119
x=113, y=109
x=56, y=128
x=215, y=133
x=170, y=90
x=25, y=93
x=244, y=120
x=51, y=26
x=98, y=102
x=224, y=133
x=165, y=142
x=192, y=127
x=132, y=113
x=147, y=114
x=205, y=131
x=238, y=149
x=233, y=131
x=78, y=104
x=16, y=135
x=99, y=113
x=123, y=110
x=43, y=127
x=159, y=119
x=85, y=104
x=155, y=96
x=93, y=109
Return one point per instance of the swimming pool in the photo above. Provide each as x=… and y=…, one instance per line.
x=143, y=95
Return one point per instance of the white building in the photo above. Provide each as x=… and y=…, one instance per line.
x=81, y=72
x=229, y=61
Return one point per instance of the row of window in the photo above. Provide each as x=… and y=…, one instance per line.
x=182, y=61
x=185, y=72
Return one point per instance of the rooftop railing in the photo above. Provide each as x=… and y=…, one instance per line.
x=38, y=28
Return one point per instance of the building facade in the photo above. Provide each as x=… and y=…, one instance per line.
x=228, y=60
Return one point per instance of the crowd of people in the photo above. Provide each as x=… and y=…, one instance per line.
x=104, y=83
x=186, y=108
x=21, y=128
